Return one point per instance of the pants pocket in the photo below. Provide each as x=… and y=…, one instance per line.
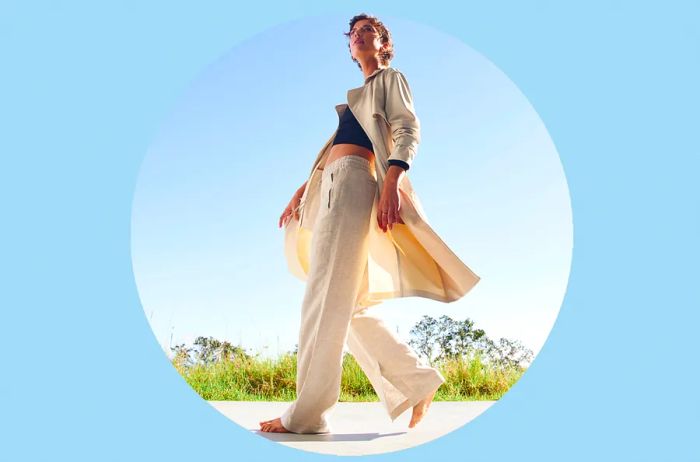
x=330, y=188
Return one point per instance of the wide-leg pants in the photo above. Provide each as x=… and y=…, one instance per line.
x=330, y=314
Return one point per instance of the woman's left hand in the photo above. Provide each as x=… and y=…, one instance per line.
x=389, y=206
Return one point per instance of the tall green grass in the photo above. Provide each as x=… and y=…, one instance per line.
x=251, y=379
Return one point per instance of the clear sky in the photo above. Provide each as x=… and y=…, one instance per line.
x=208, y=256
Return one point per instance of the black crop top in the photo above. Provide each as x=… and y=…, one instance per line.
x=350, y=131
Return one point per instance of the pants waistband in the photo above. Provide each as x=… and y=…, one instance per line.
x=348, y=161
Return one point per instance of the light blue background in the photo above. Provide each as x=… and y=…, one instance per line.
x=85, y=86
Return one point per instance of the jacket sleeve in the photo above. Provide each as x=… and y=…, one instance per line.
x=401, y=115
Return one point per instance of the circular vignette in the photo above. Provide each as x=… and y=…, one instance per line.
x=206, y=250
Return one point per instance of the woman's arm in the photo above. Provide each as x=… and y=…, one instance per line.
x=405, y=133
x=394, y=176
x=402, y=118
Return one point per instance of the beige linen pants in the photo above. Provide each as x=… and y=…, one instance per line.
x=330, y=315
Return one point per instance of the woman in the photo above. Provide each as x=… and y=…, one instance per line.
x=353, y=262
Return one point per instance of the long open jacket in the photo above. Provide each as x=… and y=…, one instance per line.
x=410, y=259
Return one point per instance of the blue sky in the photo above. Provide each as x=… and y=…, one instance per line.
x=207, y=253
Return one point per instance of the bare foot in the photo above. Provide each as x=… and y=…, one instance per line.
x=421, y=407
x=274, y=425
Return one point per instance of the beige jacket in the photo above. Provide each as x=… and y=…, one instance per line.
x=410, y=259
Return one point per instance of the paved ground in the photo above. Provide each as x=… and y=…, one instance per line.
x=358, y=428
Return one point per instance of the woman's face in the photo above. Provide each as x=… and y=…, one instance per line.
x=364, y=39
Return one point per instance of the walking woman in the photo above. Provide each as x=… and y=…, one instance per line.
x=356, y=232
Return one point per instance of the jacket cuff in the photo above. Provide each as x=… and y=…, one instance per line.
x=399, y=163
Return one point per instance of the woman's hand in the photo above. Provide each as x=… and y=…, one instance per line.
x=292, y=207
x=389, y=203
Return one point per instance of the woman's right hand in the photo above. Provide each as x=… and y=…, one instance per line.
x=291, y=208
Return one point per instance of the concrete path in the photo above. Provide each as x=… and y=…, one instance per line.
x=358, y=428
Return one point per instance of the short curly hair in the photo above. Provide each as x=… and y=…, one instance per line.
x=385, y=36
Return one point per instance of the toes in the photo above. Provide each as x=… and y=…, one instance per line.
x=273, y=425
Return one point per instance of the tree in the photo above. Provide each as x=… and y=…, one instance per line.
x=182, y=358
x=211, y=350
x=206, y=351
x=425, y=334
x=446, y=338
x=510, y=353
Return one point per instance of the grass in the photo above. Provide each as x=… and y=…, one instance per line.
x=250, y=379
